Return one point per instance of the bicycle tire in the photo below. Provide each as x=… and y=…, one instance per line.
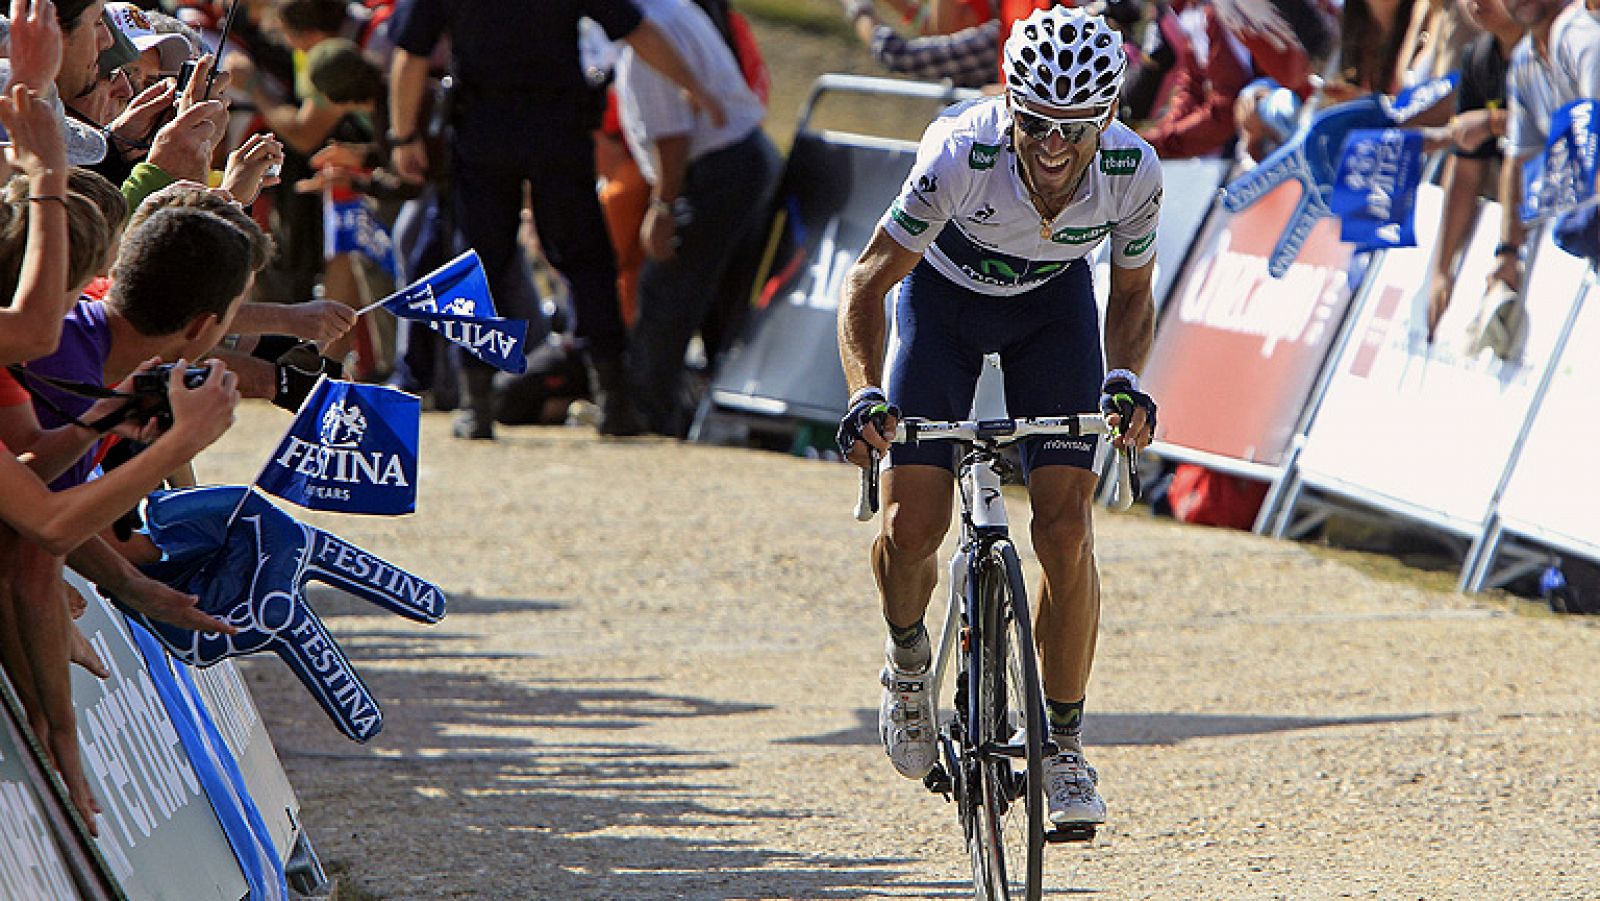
x=1006, y=838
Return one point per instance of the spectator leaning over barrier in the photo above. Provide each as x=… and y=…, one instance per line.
x=1473, y=137
x=710, y=186
x=968, y=58
x=35, y=625
x=523, y=115
x=1556, y=62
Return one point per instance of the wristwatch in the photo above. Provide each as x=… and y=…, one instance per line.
x=1506, y=247
x=402, y=140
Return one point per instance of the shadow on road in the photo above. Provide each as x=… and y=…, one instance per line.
x=1140, y=728
x=504, y=786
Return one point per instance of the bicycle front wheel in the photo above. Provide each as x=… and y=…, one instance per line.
x=1007, y=841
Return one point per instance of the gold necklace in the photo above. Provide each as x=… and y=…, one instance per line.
x=1039, y=205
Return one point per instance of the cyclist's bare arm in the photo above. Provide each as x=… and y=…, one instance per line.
x=863, y=328
x=1130, y=330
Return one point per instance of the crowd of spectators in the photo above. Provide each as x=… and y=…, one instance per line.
x=169, y=244
x=1234, y=79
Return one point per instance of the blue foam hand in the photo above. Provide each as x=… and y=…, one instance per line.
x=1310, y=157
x=253, y=575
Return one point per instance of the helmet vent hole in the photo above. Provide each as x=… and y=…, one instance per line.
x=1028, y=56
x=1102, y=40
x=1084, y=55
x=1048, y=51
x=1062, y=87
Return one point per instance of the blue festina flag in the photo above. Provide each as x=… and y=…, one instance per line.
x=1375, y=189
x=1562, y=178
x=454, y=301
x=348, y=226
x=351, y=449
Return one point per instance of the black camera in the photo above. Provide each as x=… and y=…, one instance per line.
x=150, y=390
x=185, y=75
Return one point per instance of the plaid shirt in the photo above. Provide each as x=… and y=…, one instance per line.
x=970, y=58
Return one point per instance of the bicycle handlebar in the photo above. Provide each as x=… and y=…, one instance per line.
x=999, y=433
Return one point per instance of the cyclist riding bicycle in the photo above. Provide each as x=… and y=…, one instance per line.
x=987, y=242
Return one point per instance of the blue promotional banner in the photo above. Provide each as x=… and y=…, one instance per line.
x=351, y=449
x=349, y=226
x=251, y=571
x=1418, y=99
x=1311, y=158
x=454, y=301
x=1375, y=190
x=1563, y=177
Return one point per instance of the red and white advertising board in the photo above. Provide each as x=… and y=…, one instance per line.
x=1237, y=351
x=1427, y=430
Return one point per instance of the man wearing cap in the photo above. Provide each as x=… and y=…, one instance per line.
x=158, y=54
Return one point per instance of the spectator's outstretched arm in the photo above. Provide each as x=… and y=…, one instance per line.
x=322, y=321
x=30, y=326
x=1508, y=256
x=35, y=645
x=408, y=83
x=653, y=47
x=60, y=521
x=969, y=58
x=100, y=563
x=1463, y=179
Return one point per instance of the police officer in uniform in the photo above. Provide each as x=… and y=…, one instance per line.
x=522, y=115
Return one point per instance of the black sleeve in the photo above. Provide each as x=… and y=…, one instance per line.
x=417, y=25
x=1473, y=94
x=618, y=17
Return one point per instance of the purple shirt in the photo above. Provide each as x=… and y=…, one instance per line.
x=81, y=357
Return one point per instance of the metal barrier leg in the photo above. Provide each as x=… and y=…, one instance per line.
x=304, y=873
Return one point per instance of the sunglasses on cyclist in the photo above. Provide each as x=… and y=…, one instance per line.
x=1072, y=130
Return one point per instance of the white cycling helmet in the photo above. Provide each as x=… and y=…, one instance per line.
x=1065, y=58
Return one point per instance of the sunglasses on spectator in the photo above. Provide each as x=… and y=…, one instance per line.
x=1073, y=130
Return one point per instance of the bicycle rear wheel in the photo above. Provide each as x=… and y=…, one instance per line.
x=1006, y=796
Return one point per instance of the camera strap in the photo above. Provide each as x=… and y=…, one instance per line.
x=30, y=382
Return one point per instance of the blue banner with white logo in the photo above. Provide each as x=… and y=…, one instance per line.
x=1563, y=177
x=349, y=226
x=1418, y=99
x=454, y=301
x=250, y=564
x=1374, y=192
x=351, y=449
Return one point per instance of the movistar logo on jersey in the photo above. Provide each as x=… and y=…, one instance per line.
x=1080, y=235
x=983, y=156
x=1120, y=162
x=1138, y=245
x=988, y=266
x=906, y=221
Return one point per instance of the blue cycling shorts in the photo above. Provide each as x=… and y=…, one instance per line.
x=1048, y=340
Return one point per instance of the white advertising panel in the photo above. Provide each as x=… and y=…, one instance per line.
x=228, y=700
x=1552, y=495
x=158, y=833
x=1424, y=429
x=32, y=864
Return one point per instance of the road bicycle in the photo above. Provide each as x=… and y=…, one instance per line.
x=994, y=742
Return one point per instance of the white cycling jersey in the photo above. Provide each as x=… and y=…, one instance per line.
x=965, y=207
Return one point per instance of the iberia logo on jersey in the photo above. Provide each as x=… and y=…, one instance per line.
x=983, y=156
x=1120, y=162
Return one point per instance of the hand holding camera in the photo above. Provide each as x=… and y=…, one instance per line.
x=200, y=400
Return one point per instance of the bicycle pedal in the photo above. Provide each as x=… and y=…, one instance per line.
x=1071, y=833
x=938, y=781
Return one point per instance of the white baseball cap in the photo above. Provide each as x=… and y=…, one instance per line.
x=133, y=23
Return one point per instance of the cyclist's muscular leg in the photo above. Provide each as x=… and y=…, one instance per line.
x=916, y=515
x=1069, y=605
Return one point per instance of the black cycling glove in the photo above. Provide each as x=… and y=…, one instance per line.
x=867, y=405
x=1120, y=394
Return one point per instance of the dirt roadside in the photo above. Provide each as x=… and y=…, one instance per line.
x=656, y=681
